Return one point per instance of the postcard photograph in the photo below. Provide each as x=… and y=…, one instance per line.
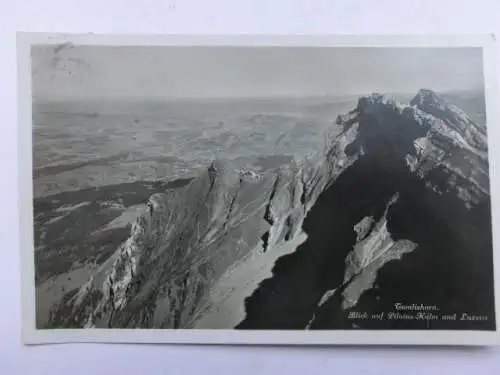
x=259, y=189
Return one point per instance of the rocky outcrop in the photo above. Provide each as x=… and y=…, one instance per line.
x=454, y=118
x=344, y=198
x=432, y=136
x=404, y=222
x=369, y=254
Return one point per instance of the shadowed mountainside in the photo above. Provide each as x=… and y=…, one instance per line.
x=395, y=209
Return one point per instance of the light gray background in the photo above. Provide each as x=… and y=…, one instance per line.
x=182, y=72
x=212, y=17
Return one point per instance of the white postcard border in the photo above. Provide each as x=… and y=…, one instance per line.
x=31, y=335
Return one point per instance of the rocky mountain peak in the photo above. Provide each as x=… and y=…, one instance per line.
x=367, y=103
x=424, y=133
x=427, y=97
x=216, y=168
x=453, y=117
x=167, y=273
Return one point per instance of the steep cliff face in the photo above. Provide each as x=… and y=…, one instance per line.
x=407, y=222
x=186, y=239
x=350, y=199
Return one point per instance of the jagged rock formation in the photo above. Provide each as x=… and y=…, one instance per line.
x=419, y=194
x=351, y=199
x=452, y=116
x=186, y=239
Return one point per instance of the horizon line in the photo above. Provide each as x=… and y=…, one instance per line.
x=238, y=97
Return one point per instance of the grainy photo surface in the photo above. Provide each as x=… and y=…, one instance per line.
x=261, y=188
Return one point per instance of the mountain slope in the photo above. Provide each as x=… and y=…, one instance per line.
x=352, y=201
x=420, y=193
x=186, y=239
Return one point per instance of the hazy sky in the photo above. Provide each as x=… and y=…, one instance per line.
x=166, y=72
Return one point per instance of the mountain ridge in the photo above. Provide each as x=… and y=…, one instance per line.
x=186, y=239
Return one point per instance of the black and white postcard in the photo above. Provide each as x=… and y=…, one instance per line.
x=257, y=190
